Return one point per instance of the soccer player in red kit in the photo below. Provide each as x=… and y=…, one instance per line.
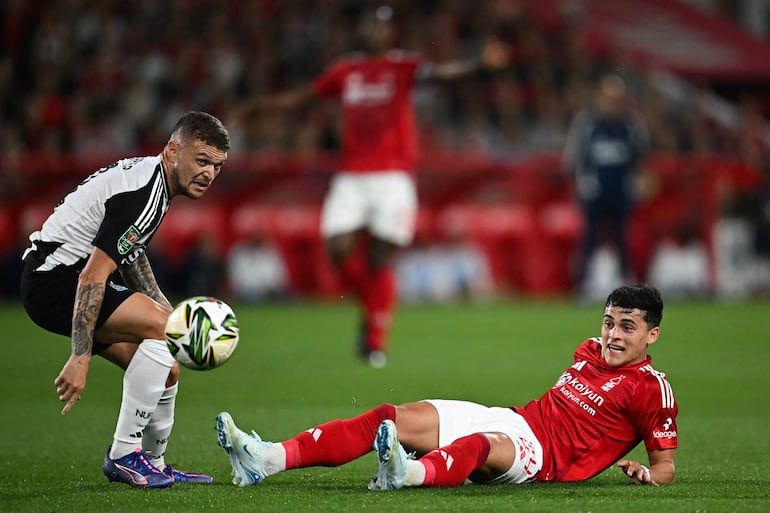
x=374, y=190
x=599, y=409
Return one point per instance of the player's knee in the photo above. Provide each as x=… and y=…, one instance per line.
x=339, y=248
x=157, y=322
x=501, y=457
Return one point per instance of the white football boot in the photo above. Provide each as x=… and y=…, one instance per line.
x=245, y=451
x=392, y=458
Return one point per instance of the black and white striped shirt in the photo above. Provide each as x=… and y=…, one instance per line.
x=117, y=209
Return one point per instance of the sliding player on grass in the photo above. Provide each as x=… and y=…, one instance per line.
x=599, y=409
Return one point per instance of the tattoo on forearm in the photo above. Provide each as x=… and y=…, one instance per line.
x=88, y=302
x=139, y=276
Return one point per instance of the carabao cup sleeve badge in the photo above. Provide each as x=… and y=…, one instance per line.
x=127, y=240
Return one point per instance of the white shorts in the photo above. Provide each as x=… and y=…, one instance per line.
x=463, y=418
x=385, y=203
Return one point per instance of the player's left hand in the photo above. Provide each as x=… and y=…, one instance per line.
x=638, y=473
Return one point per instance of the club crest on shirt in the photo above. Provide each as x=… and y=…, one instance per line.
x=613, y=383
x=127, y=240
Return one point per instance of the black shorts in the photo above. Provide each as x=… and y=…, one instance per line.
x=49, y=298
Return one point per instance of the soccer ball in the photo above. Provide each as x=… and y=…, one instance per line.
x=202, y=332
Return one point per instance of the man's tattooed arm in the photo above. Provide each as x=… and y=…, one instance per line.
x=139, y=276
x=88, y=302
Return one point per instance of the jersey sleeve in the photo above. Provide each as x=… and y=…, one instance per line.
x=329, y=84
x=120, y=230
x=412, y=66
x=656, y=416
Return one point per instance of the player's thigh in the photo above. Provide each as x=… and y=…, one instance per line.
x=137, y=318
x=418, y=426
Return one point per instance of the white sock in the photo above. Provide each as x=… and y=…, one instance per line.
x=143, y=385
x=158, y=430
x=415, y=473
x=274, y=458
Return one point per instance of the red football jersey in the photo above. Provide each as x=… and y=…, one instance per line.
x=595, y=414
x=378, y=121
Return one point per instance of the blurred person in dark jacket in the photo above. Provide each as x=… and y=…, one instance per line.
x=604, y=149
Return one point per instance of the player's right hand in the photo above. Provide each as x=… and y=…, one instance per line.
x=71, y=381
x=638, y=473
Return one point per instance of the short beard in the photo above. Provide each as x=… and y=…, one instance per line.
x=178, y=189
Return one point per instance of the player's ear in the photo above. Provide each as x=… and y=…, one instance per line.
x=653, y=335
x=172, y=147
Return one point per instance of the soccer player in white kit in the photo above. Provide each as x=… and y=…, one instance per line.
x=599, y=409
x=104, y=226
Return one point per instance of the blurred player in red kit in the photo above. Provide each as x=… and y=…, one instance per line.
x=374, y=191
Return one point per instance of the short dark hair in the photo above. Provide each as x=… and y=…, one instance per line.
x=204, y=127
x=641, y=296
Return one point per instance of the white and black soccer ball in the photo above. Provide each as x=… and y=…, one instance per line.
x=202, y=332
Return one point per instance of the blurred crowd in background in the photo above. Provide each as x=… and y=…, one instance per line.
x=95, y=77
x=89, y=75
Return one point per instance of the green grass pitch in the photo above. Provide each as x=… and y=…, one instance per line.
x=294, y=368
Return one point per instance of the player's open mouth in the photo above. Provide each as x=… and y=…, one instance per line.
x=615, y=348
x=201, y=185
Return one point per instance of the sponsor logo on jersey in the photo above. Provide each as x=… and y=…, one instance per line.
x=667, y=432
x=358, y=92
x=584, y=391
x=578, y=392
x=127, y=240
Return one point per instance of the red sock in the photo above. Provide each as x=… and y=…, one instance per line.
x=451, y=465
x=338, y=441
x=379, y=303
